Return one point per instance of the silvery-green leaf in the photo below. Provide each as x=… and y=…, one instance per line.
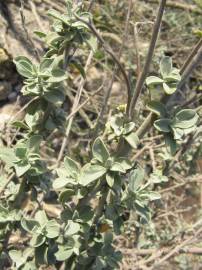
x=185, y=119
x=60, y=183
x=92, y=43
x=100, y=151
x=37, y=240
x=174, y=76
x=157, y=177
x=46, y=64
x=178, y=133
x=136, y=179
x=90, y=173
x=41, y=217
x=110, y=179
x=21, y=169
x=128, y=127
x=63, y=253
x=41, y=255
x=153, y=80
x=17, y=258
x=163, y=125
x=157, y=107
x=189, y=130
x=55, y=96
x=125, y=163
x=33, y=142
x=52, y=229
x=57, y=75
x=30, y=225
x=117, y=167
x=72, y=228
x=166, y=66
x=169, y=88
x=7, y=155
x=71, y=166
x=66, y=195
x=117, y=122
x=153, y=196
x=24, y=66
x=132, y=139
x=170, y=144
x=57, y=15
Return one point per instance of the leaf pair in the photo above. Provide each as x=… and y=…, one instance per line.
x=120, y=128
x=40, y=228
x=103, y=165
x=170, y=77
x=182, y=124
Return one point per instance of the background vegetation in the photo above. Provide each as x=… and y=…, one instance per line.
x=79, y=112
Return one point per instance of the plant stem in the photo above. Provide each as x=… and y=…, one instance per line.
x=141, y=80
x=192, y=54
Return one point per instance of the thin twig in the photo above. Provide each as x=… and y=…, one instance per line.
x=192, y=54
x=75, y=105
x=108, y=92
x=141, y=80
x=110, y=52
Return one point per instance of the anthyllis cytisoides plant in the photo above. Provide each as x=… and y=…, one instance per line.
x=93, y=197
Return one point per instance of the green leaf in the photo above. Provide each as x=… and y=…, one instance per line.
x=71, y=167
x=24, y=66
x=21, y=169
x=37, y=240
x=60, y=183
x=57, y=75
x=174, y=76
x=117, y=167
x=63, y=253
x=169, y=88
x=166, y=66
x=153, y=80
x=7, y=155
x=41, y=255
x=72, y=228
x=132, y=139
x=136, y=179
x=128, y=127
x=46, y=65
x=57, y=15
x=157, y=177
x=125, y=163
x=153, y=196
x=66, y=195
x=178, y=133
x=163, y=125
x=55, y=96
x=170, y=144
x=30, y=225
x=34, y=142
x=19, y=257
x=117, y=123
x=100, y=151
x=157, y=107
x=41, y=217
x=110, y=179
x=185, y=119
x=52, y=229
x=90, y=173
